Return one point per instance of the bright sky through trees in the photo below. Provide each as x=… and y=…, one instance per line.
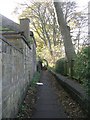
x=7, y=7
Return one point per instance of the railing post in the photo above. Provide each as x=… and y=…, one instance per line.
x=71, y=69
x=65, y=68
x=68, y=68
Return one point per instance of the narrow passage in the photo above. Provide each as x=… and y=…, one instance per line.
x=47, y=105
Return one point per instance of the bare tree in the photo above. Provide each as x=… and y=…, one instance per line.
x=42, y=17
x=69, y=49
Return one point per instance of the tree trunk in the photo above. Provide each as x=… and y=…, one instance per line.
x=69, y=49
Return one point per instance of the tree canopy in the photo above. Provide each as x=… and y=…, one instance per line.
x=49, y=38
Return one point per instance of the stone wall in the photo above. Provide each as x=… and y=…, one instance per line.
x=18, y=67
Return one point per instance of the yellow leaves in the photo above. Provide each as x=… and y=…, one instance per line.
x=72, y=23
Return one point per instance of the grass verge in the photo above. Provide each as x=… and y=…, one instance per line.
x=27, y=106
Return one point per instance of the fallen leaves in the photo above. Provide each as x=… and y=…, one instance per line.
x=27, y=107
x=71, y=107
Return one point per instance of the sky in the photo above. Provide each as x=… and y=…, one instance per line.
x=7, y=7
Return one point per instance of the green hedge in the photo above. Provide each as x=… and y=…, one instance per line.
x=82, y=66
x=60, y=66
x=35, y=78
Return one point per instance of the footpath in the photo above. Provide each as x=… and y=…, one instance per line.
x=47, y=105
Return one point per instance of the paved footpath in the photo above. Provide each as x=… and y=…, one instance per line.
x=46, y=104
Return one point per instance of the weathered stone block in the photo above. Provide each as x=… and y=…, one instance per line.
x=17, y=70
